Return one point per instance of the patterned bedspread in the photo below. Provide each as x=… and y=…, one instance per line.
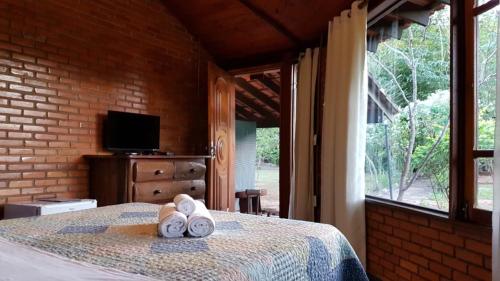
x=243, y=247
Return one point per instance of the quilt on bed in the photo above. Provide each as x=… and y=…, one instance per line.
x=243, y=247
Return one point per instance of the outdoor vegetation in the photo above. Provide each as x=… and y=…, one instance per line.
x=268, y=145
x=267, y=170
x=407, y=157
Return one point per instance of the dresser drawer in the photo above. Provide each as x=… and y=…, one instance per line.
x=165, y=191
x=188, y=170
x=153, y=170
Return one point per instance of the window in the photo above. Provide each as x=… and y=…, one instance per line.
x=479, y=187
x=408, y=132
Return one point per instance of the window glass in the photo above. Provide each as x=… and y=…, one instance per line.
x=484, y=186
x=486, y=65
x=407, y=156
x=486, y=87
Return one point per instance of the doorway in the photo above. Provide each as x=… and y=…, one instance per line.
x=257, y=114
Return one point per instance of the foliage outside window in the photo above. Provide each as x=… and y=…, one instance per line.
x=485, y=91
x=407, y=156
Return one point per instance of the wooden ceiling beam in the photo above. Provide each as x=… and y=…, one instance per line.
x=239, y=115
x=242, y=83
x=241, y=110
x=264, y=80
x=382, y=10
x=257, y=63
x=272, y=22
x=266, y=114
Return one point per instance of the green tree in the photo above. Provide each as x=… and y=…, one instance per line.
x=268, y=145
x=412, y=71
x=415, y=74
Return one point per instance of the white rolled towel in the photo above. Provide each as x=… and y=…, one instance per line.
x=184, y=204
x=200, y=222
x=172, y=224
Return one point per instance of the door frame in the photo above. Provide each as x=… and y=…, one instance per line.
x=286, y=135
x=285, y=64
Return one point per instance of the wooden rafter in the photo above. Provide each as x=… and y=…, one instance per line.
x=262, y=111
x=242, y=111
x=242, y=83
x=272, y=22
x=266, y=81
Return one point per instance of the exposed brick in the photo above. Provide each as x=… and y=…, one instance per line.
x=440, y=250
x=409, y=266
x=10, y=78
x=478, y=247
x=9, y=191
x=469, y=256
x=440, y=269
x=427, y=274
x=18, y=184
x=459, y=276
x=479, y=273
x=442, y=247
x=455, y=263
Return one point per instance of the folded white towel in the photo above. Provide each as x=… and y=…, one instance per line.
x=172, y=224
x=200, y=222
x=184, y=204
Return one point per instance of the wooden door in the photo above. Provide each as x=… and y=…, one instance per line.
x=221, y=115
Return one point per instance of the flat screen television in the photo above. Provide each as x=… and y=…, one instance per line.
x=131, y=132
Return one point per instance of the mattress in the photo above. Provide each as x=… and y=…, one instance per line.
x=243, y=247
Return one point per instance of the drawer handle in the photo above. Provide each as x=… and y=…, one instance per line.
x=192, y=170
x=193, y=188
x=156, y=192
x=159, y=172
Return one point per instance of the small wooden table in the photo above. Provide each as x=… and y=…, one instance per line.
x=250, y=200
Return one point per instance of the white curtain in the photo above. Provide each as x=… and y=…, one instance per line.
x=496, y=180
x=344, y=128
x=301, y=197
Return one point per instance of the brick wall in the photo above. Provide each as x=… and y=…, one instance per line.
x=65, y=63
x=406, y=245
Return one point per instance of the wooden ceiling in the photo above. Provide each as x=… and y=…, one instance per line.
x=237, y=31
x=246, y=33
x=249, y=33
x=258, y=98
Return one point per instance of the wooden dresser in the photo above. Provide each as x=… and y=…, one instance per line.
x=115, y=179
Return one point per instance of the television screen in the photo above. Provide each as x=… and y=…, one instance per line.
x=130, y=132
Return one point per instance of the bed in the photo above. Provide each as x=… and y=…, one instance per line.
x=243, y=247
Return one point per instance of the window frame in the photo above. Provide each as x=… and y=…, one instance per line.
x=470, y=212
x=463, y=152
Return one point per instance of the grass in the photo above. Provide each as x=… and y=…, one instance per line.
x=485, y=196
x=268, y=178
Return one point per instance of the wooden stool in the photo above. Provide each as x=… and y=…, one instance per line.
x=250, y=200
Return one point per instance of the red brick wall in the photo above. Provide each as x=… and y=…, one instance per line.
x=65, y=63
x=406, y=245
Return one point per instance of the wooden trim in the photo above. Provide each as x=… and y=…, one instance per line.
x=457, y=106
x=470, y=114
x=383, y=10
x=407, y=207
x=486, y=229
x=272, y=22
x=485, y=7
x=469, y=110
x=286, y=136
x=483, y=153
